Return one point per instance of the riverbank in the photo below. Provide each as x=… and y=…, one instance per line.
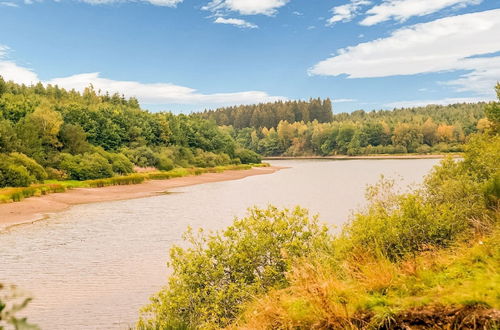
x=345, y=157
x=37, y=208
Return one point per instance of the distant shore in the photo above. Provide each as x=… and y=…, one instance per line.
x=344, y=157
x=37, y=208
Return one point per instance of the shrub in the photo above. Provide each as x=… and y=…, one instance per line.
x=14, y=176
x=210, y=159
x=32, y=166
x=248, y=156
x=86, y=167
x=120, y=164
x=165, y=163
x=222, y=270
x=424, y=149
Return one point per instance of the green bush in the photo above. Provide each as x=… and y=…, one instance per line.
x=86, y=167
x=210, y=159
x=247, y=156
x=32, y=166
x=165, y=163
x=223, y=270
x=121, y=164
x=142, y=156
x=18, y=170
x=14, y=176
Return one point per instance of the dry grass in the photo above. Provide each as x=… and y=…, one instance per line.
x=366, y=292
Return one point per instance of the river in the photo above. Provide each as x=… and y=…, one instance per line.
x=93, y=266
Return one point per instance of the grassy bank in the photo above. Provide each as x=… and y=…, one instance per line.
x=421, y=260
x=8, y=195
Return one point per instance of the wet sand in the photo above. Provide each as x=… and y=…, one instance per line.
x=37, y=208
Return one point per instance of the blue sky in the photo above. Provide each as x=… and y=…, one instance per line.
x=185, y=55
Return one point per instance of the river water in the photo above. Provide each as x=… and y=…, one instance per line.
x=93, y=266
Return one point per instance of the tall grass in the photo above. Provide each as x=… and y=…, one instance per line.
x=373, y=293
x=8, y=195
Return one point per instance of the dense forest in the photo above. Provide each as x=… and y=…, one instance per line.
x=50, y=132
x=310, y=128
x=422, y=259
x=270, y=114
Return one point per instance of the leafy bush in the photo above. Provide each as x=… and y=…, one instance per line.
x=18, y=170
x=142, y=156
x=247, y=156
x=222, y=270
x=210, y=159
x=165, y=163
x=86, y=167
x=120, y=164
x=14, y=176
x=32, y=166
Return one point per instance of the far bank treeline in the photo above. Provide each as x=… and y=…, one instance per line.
x=299, y=128
x=50, y=132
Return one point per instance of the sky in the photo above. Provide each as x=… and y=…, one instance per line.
x=190, y=55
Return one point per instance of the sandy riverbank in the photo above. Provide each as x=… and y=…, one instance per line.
x=411, y=156
x=36, y=208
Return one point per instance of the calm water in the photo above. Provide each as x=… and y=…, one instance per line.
x=95, y=265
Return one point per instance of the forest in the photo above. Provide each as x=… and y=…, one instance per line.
x=47, y=132
x=309, y=128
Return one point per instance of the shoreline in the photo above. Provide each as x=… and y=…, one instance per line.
x=34, y=209
x=368, y=157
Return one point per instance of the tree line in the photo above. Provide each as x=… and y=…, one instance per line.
x=423, y=130
x=270, y=114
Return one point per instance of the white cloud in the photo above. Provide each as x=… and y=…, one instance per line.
x=401, y=10
x=343, y=100
x=246, y=7
x=236, y=22
x=445, y=101
x=159, y=93
x=347, y=12
x=11, y=71
x=9, y=4
x=442, y=45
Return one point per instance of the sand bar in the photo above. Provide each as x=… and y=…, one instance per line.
x=37, y=208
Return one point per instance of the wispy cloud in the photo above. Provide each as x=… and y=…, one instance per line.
x=246, y=7
x=347, y=12
x=401, y=10
x=9, y=4
x=343, y=100
x=236, y=22
x=442, y=45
